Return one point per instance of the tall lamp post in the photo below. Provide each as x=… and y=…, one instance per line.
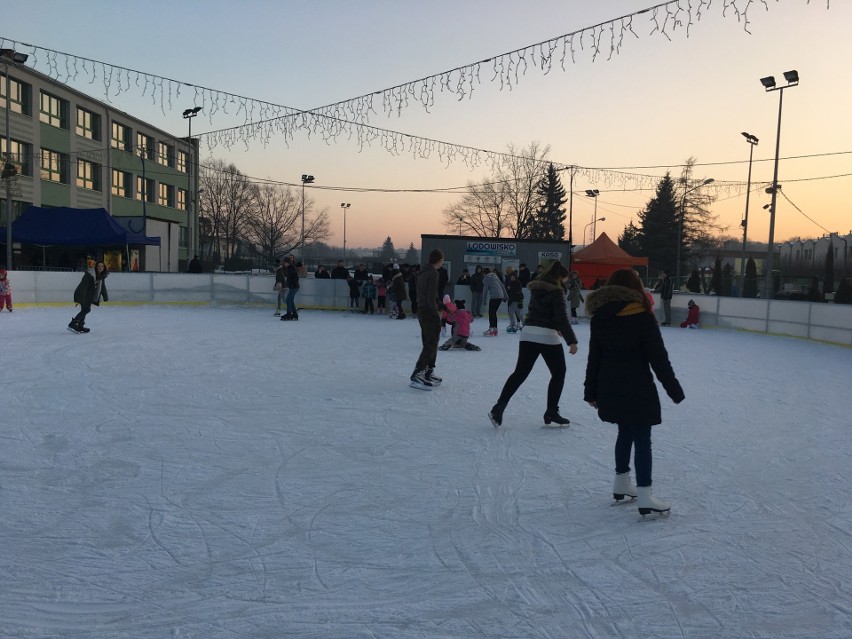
x=686, y=192
x=792, y=78
x=9, y=170
x=306, y=179
x=592, y=224
x=191, y=219
x=344, y=206
x=752, y=142
x=592, y=193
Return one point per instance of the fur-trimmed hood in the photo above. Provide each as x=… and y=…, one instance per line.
x=610, y=300
x=544, y=287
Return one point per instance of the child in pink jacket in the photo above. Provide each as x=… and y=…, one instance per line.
x=5, y=291
x=460, y=318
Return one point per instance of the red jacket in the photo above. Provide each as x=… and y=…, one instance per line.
x=692, y=317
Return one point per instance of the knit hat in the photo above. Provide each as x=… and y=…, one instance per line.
x=690, y=303
x=447, y=300
x=396, y=266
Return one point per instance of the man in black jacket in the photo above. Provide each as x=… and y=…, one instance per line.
x=666, y=288
x=423, y=377
x=340, y=272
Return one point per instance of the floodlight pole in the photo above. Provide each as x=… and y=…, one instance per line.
x=752, y=141
x=792, y=78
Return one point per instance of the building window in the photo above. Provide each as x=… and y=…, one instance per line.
x=54, y=111
x=54, y=166
x=88, y=124
x=144, y=146
x=144, y=189
x=166, y=154
x=19, y=94
x=120, y=137
x=20, y=155
x=88, y=175
x=182, y=161
x=120, y=183
x=166, y=195
x=182, y=200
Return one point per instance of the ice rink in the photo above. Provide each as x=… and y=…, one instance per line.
x=203, y=472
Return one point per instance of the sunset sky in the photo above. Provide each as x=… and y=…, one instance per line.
x=662, y=99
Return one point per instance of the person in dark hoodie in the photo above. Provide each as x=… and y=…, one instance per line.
x=545, y=327
x=428, y=314
x=91, y=290
x=624, y=348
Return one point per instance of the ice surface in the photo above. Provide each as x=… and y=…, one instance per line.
x=202, y=472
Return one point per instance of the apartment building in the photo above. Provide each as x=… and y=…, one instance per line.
x=72, y=150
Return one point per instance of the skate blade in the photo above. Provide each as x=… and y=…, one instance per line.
x=657, y=513
x=493, y=421
x=420, y=386
x=555, y=426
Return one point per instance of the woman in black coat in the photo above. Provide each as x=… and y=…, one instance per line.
x=545, y=327
x=625, y=346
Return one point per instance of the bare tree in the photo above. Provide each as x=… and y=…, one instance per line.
x=276, y=222
x=701, y=229
x=506, y=203
x=227, y=200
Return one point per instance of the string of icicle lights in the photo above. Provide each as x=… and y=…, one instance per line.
x=350, y=119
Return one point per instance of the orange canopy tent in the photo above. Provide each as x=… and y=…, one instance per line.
x=601, y=258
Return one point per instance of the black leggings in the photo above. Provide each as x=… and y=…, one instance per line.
x=493, y=305
x=528, y=353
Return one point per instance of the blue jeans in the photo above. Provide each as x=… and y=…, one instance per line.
x=639, y=439
x=291, y=304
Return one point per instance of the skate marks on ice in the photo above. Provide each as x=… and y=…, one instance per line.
x=283, y=483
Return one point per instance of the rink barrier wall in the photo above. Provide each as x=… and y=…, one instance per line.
x=823, y=322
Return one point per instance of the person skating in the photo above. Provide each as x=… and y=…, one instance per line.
x=546, y=325
x=423, y=377
x=497, y=294
x=281, y=286
x=291, y=274
x=624, y=348
x=666, y=288
x=91, y=290
x=5, y=291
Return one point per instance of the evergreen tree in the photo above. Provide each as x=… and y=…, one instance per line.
x=658, y=228
x=693, y=284
x=828, y=281
x=630, y=239
x=750, y=284
x=716, y=280
x=813, y=293
x=727, y=279
x=844, y=292
x=548, y=223
x=412, y=255
x=388, y=253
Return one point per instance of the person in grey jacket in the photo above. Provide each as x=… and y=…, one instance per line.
x=497, y=294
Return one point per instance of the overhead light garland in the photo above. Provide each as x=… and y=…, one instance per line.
x=350, y=118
